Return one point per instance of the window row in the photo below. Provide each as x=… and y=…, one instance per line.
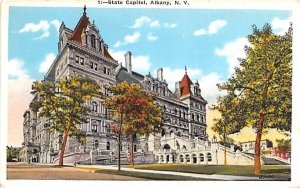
x=198, y=106
x=93, y=65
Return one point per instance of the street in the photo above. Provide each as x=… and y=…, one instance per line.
x=53, y=172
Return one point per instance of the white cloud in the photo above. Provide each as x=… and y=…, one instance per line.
x=170, y=25
x=46, y=63
x=200, y=32
x=15, y=69
x=232, y=51
x=42, y=26
x=155, y=24
x=213, y=28
x=140, y=64
x=151, y=37
x=209, y=90
x=19, y=97
x=118, y=44
x=132, y=38
x=56, y=24
x=128, y=39
x=280, y=26
x=141, y=21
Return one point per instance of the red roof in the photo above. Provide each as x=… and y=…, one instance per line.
x=185, y=86
x=80, y=27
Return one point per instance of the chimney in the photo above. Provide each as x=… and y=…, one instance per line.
x=177, y=87
x=160, y=74
x=128, y=64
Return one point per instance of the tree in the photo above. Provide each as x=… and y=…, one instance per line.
x=65, y=103
x=11, y=153
x=134, y=112
x=284, y=144
x=259, y=93
x=228, y=123
x=144, y=118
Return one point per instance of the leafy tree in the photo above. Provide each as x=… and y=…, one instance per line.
x=65, y=103
x=144, y=118
x=228, y=123
x=134, y=112
x=259, y=93
x=284, y=144
x=11, y=152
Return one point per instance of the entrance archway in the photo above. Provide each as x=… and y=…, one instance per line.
x=194, y=158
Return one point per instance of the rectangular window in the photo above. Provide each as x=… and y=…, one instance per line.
x=94, y=128
x=96, y=66
x=77, y=59
x=92, y=65
x=104, y=70
x=108, y=71
x=81, y=61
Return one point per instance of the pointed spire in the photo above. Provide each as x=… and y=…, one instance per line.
x=84, y=10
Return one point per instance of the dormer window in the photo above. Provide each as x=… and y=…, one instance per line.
x=93, y=41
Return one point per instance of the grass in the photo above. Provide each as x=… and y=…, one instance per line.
x=149, y=176
x=268, y=171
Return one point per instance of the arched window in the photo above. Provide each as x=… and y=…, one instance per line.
x=96, y=144
x=175, y=111
x=179, y=113
x=201, y=157
x=108, y=146
x=184, y=147
x=163, y=132
x=94, y=127
x=198, y=117
x=209, y=157
x=93, y=41
x=134, y=148
x=94, y=106
x=193, y=116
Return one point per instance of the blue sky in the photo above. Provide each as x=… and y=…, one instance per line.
x=208, y=42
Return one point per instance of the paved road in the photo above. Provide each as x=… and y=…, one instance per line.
x=50, y=172
x=200, y=176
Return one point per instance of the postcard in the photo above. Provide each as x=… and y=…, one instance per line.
x=143, y=93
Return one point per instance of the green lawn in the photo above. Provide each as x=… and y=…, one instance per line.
x=150, y=176
x=275, y=171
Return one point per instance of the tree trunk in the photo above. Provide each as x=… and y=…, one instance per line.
x=120, y=143
x=63, y=146
x=225, y=151
x=119, y=152
x=257, y=164
x=131, y=150
x=225, y=157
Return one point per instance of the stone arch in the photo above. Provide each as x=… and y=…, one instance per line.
x=163, y=132
x=177, y=145
x=157, y=158
x=166, y=146
x=194, y=158
x=208, y=156
x=187, y=158
x=181, y=159
x=201, y=156
x=162, y=158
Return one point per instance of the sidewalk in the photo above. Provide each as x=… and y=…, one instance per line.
x=206, y=176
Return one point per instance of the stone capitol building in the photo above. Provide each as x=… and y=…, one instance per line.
x=183, y=137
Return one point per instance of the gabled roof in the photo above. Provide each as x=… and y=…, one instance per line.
x=80, y=27
x=106, y=54
x=185, y=86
